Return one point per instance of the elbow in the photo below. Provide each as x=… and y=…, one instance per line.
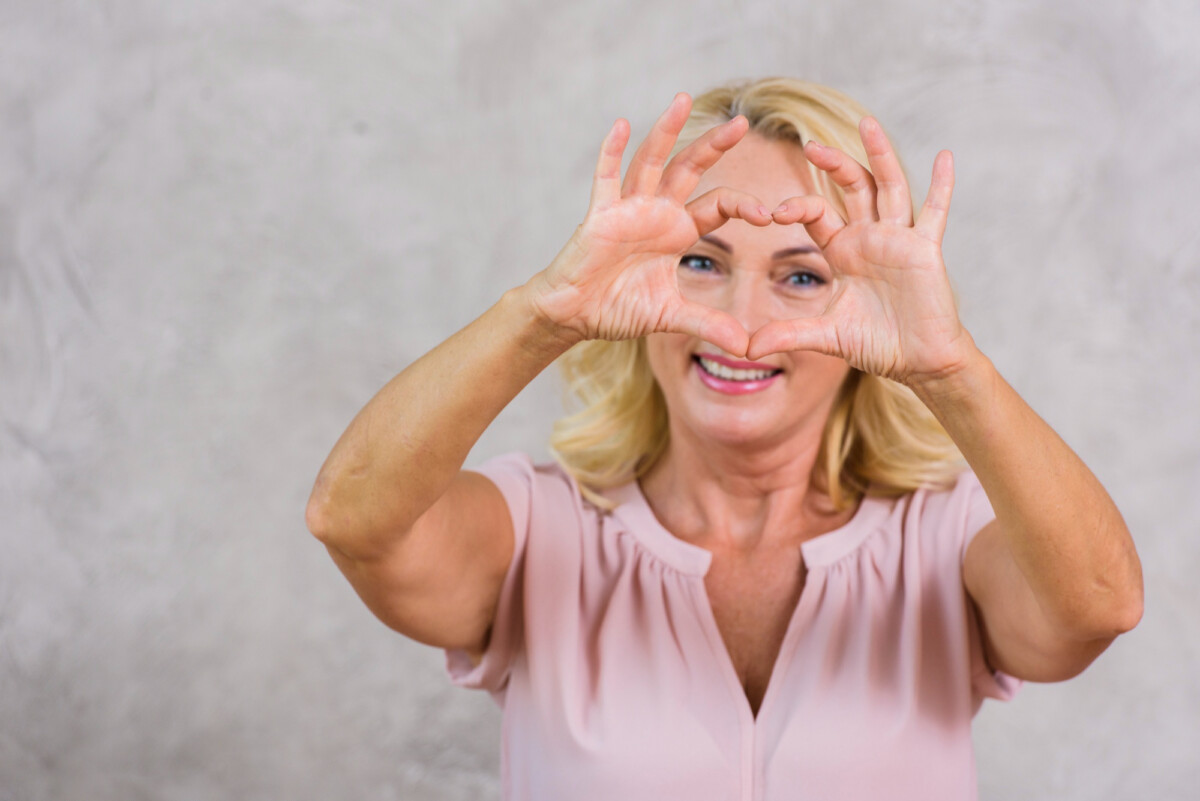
x=345, y=528
x=1127, y=605
x=320, y=515
x=316, y=517
x=1100, y=613
x=1129, y=614
x=1116, y=615
x=1115, y=603
x=327, y=525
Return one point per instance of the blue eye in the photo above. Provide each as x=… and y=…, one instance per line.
x=804, y=279
x=701, y=264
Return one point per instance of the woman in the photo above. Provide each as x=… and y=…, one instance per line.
x=759, y=570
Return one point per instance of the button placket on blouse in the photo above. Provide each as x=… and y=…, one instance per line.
x=751, y=725
x=696, y=561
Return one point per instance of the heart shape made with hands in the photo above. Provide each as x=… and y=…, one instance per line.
x=890, y=309
x=807, y=298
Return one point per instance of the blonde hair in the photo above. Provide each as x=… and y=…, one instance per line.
x=879, y=438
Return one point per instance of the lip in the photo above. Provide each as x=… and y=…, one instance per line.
x=726, y=387
x=735, y=364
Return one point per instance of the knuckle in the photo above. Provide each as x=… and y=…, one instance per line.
x=859, y=183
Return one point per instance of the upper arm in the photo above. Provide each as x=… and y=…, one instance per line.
x=1017, y=637
x=440, y=583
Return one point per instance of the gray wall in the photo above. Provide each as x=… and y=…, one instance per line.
x=225, y=224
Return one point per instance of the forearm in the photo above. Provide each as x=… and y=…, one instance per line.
x=405, y=447
x=1062, y=528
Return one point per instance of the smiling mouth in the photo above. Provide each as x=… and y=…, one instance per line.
x=724, y=373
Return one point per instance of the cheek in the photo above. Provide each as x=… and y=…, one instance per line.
x=668, y=354
x=825, y=374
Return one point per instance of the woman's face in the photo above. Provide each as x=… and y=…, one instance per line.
x=756, y=275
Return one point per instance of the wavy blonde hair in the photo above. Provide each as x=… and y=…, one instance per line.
x=879, y=438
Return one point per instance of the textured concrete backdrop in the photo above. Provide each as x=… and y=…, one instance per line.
x=224, y=224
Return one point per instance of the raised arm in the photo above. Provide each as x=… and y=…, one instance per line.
x=1056, y=576
x=427, y=545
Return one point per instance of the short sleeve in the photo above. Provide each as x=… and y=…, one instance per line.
x=978, y=511
x=513, y=475
x=985, y=682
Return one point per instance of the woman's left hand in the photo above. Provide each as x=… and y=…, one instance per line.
x=892, y=312
x=1056, y=576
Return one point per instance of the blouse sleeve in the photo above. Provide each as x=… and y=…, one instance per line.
x=985, y=682
x=513, y=475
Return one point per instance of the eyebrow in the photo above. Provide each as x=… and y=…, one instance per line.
x=800, y=250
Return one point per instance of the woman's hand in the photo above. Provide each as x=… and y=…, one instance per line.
x=892, y=312
x=616, y=277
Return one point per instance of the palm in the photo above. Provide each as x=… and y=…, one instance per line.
x=615, y=278
x=634, y=247
x=893, y=312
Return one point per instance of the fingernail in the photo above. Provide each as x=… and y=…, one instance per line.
x=782, y=207
x=763, y=211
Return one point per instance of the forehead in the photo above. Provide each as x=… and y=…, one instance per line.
x=770, y=169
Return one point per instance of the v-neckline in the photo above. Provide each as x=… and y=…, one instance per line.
x=787, y=614
x=634, y=509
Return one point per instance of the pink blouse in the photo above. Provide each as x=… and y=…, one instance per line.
x=615, y=683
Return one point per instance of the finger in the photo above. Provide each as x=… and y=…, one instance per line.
x=857, y=184
x=682, y=174
x=893, y=199
x=710, y=325
x=811, y=333
x=931, y=223
x=716, y=206
x=816, y=215
x=645, y=169
x=606, y=182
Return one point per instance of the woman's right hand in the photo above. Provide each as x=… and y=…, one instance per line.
x=616, y=277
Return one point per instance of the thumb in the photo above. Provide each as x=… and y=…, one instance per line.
x=811, y=333
x=715, y=327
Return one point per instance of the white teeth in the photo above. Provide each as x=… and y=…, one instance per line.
x=730, y=374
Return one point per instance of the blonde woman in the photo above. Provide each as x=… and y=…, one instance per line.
x=760, y=568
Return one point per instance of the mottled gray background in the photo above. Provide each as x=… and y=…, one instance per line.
x=224, y=224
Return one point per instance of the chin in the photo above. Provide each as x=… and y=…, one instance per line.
x=735, y=427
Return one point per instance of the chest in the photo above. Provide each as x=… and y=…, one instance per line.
x=753, y=601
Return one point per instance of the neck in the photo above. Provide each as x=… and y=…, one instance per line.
x=737, y=496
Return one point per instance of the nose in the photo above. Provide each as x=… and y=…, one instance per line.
x=748, y=300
